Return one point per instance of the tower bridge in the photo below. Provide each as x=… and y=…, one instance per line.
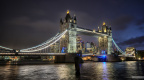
x=67, y=40
x=104, y=35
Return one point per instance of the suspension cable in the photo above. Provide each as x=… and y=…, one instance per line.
x=46, y=42
x=117, y=46
x=55, y=39
x=6, y=48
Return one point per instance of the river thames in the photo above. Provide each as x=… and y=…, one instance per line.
x=127, y=70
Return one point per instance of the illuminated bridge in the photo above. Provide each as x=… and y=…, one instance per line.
x=67, y=40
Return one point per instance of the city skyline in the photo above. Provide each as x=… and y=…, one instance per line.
x=28, y=25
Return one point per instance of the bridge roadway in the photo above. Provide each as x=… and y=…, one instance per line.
x=43, y=54
x=31, y=54
x=54, y=54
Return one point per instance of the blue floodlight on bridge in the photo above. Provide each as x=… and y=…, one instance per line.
x=104, y=56
x=63, y=50
x=78, y=54
x=103, y=52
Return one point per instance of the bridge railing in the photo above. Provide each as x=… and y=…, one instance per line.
x=7, y=54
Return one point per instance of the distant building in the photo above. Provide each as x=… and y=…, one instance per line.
x=130, y=51
x=79, y=44
x=83, y=47
x=54, y=48
x=91, y=47
x=88, y=45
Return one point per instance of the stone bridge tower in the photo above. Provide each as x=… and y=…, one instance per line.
x=68, y=41
x=105, y=42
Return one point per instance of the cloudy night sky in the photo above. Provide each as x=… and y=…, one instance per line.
x=26, y=23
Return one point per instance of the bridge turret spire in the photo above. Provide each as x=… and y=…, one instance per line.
x=104, y=23
x=75, y=18
x=98, y=28
x=67, y=11
x=61, y=21
x=68, y=17
x=110, y=27
x=104, y=28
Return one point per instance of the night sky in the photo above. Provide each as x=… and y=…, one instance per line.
x=26, y=23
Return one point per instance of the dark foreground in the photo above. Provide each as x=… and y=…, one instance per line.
x=89, y=71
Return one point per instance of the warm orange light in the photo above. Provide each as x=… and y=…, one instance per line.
x=139, y=58
x=104, y=23
x=74, y=21
x=15, y=58
x=105, y=30
x=100, y=31
x=67, y=11
x=63, y=36
x=93, y=30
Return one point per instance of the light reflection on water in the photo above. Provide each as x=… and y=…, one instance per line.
x=65, y=71
x=105, y=73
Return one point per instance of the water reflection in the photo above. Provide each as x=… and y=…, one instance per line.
x=64, y=71
x=105, y=73
x=8, y=72
x=134, y=68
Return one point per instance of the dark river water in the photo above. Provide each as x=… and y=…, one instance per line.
x=128, y=70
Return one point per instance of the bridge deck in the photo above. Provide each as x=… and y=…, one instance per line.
x=53, y=54
x=42, y=54
x=31, y=54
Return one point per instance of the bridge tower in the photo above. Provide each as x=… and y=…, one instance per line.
x=105, y=42
x=68, y=41
x=110, y=48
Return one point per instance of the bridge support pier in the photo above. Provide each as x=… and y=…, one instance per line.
x=68, y=58
x=112, y=58
x=59, y=59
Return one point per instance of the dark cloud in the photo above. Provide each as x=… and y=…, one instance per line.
x=141, y=28
x=121, y=22
x=135, y=42
x=39, y=25
x=23, y=32
x=138, y=45
x=140, y=21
